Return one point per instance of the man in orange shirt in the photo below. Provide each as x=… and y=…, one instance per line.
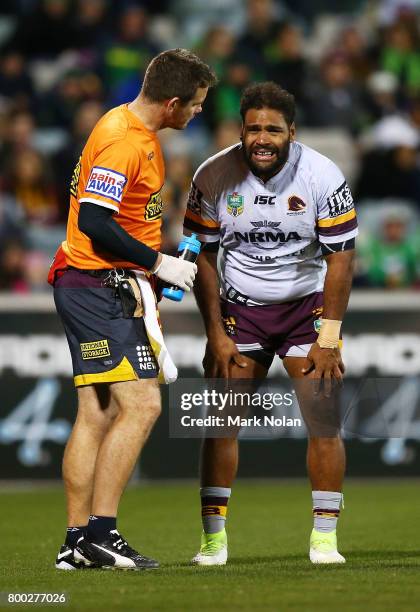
x=113, y=236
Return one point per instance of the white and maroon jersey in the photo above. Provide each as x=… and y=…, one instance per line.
x=271, y=232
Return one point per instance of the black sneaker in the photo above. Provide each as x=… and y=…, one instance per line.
x=112, y=553
x=66, y=561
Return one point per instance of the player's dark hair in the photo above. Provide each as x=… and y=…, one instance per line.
x=268, y=95
x=176, y=73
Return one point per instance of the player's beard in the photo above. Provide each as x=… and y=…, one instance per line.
x=266, y=171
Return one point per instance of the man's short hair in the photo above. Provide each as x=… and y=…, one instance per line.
x=268, y=95
x=176, y=73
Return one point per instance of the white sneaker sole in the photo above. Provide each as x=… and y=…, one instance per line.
x=219, y=558
x=63, y=565
x=324, y=558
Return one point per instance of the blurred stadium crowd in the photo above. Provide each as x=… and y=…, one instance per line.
x=354, y=68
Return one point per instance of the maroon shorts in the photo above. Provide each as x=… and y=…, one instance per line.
x=287, y=329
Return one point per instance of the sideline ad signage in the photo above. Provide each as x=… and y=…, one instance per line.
x=381, y=414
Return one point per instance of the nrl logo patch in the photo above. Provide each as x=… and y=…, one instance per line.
x=235, y=204
x=317, y=325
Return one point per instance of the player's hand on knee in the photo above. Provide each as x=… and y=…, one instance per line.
x=177, y=272
x=324, y=365
x=221, y=353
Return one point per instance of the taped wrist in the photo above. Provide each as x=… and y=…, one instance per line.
x=329, y=334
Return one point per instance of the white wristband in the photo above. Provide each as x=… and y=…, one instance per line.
x=329, y=334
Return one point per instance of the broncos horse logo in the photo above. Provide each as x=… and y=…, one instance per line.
x=296, y=204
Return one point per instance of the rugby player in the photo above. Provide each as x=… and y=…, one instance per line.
x=114, y=228
x=284, y=219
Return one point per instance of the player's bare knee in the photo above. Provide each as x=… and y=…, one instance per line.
x=149, y=406
x=154, y=410
x=142, y=409
x=326, y=443
x=92, y=412
x=92, y=419
x=219, y=444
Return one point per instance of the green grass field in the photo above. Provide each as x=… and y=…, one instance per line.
x=268, y=569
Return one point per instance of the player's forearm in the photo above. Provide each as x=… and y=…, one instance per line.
x=337, y=286
x=207, y=293
x=98, y=224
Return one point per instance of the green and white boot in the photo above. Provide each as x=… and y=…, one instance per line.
x=323, y=548
x=213, y=549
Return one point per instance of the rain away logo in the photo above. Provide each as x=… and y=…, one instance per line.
x=107, y=183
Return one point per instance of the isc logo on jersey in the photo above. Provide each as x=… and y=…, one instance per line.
x=265, y=199
x=107, y=183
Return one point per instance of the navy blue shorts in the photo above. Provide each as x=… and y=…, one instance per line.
x=105, y=347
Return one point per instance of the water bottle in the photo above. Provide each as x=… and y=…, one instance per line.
x=188, y=249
